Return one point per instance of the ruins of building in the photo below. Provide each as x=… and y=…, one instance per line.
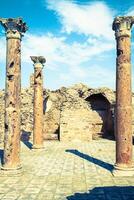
x=74, y=113
x=80, y=114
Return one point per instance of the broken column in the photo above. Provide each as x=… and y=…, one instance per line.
x=32, y=81
x=123, y=130
x=14, y=29
x=38, y=101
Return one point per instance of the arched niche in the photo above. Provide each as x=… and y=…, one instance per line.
x=101, y=105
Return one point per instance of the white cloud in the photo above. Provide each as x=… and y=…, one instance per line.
x=42, y=45
x=91, y=19
x=95, y=76
x=69, y=60
x=57, y=50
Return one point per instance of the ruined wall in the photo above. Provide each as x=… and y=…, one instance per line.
x=68, y=114
x=26, y=112
x=1, y=116
x=80, y=124
x=75, y=118
x=52, y=107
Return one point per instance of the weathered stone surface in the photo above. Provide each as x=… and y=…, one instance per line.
x=32, y=81
x=14, y=29
x=75, y=118
x=2, y=116
x=123, y=129
x=66, y=107
x=106, y=92
x=27, y=110
x=54, y=111
x=69, y=171
x=38, y=102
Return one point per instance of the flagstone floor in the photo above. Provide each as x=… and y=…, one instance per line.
x=68, y=171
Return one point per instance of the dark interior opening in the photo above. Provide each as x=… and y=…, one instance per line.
x=100, y=104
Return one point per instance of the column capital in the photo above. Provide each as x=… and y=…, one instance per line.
x=14, y=27
x=38, y=61
x=122, y=26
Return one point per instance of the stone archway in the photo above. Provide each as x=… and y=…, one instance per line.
x=103, y=125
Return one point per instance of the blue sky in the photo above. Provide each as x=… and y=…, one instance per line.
x=75, y=37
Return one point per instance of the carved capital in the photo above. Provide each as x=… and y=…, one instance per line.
x=122, y=26
x=38, y=60
x=14, y=27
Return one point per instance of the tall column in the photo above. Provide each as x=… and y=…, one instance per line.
x=123, y=130
x=14, y=29
x=31, y=81
x=38, y=101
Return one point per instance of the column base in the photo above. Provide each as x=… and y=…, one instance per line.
x=11, y=171
x=37, y=147
x=122, y=171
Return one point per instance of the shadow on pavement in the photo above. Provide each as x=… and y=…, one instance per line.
x=96, y=161
x=25, y=137
x=105, y=193
x=1, y=155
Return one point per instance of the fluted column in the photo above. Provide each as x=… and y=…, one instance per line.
x=14, y=29
x=123, y=130
x=38, y=101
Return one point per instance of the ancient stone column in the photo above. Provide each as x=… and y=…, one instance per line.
x=32, y=81
x=14, y=29
x=123, y=127
x=38, y=101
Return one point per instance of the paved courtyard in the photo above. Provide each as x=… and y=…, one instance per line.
x=68, y=171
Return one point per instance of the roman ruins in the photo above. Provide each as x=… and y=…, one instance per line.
x=67, y=114
x=124, y=165
x=14, y=31
x=38, y=102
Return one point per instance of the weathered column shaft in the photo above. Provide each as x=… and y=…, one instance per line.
x=124, y=102
x=122, y=27
x=12, y=102
x=14, y=29
x=32, y=81
x=38, y=103
x=38, y=107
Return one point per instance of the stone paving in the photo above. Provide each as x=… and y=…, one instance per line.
x=68, y=171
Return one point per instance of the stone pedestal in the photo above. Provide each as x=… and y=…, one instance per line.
x=11, y=160
x=38, y=102
x=123, y=130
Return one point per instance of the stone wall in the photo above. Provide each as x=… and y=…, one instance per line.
x=68, y=113
x=1, y=116
x=75, y=119
x=26, y=112
x=52, y=108
x=78, y=124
